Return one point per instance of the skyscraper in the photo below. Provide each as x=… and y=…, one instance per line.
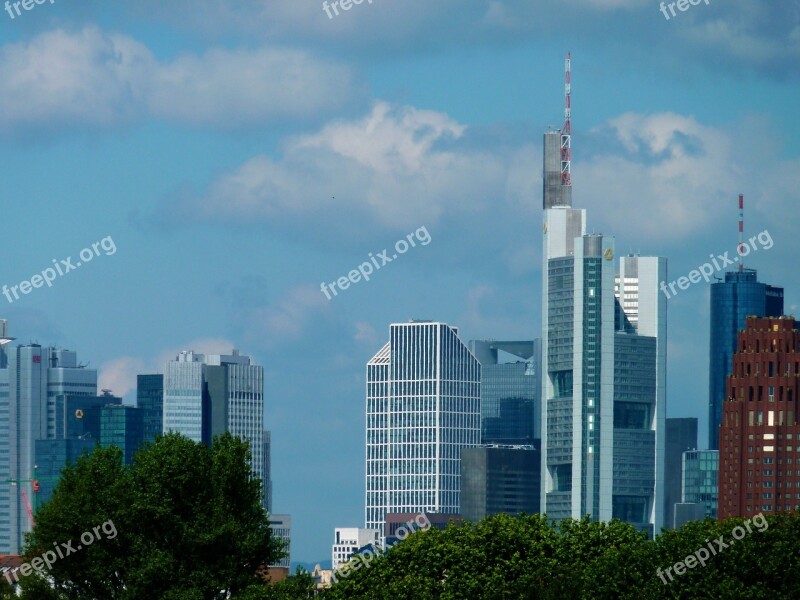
x=36, y=376
x=236, y=397
x=150, y=398
x=205, y=396
x=186, y=403
x=499, y=479
x=511, y=388
x=700, y=480
x=603, y=366
x=122, y=426
x=732, y=301
x=267, y=471
x=5, y=435
x=681, y=436
x=759, y=453
x=423, y=407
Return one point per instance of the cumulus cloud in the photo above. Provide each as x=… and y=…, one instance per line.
x=89, y=77
x=673, y=178
x=389, y=167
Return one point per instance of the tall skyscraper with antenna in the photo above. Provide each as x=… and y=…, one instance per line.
x=740, y=295
x=604, y=361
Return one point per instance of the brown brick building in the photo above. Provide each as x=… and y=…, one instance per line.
x=759, y=449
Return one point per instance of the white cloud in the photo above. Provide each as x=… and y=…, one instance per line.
x=386, y=168
x=94, y=78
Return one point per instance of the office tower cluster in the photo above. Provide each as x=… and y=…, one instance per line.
x=51, y=414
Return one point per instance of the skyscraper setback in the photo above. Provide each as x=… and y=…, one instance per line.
x=604, y=363
x=423, y=407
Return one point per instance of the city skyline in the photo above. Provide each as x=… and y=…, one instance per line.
x=238, y=158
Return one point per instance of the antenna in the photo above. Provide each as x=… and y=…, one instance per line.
x=566, y=131
x=741, y=231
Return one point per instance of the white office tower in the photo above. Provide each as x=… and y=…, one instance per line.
x=186, y=397
x=28, y=390
x=348, y=540
x=423, y=407
x=603, y=371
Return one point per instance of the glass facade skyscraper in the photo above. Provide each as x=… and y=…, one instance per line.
x=700, y=475
x=150, y=398
x=510, y=391
x=236, y=399
x=499, y=479
x=36, y=377
x=122, y=426
x=603, y=372
x=52, y=456
x=681, y=436
x=205, y=396
x=186, y=403
x=423, y=407
x=732, y=301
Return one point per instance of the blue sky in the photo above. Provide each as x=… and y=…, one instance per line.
x=209, y=139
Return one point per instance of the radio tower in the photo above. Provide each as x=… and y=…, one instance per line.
x=566, y=130
x=741, y=231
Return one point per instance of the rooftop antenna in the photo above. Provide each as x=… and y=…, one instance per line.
x=741, y=231
x=566, y=130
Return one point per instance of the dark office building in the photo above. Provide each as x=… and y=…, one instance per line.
x=150, y=398
x=412, y=522
x=496, y=479
x=739, y=296
x=51, y=457
x=510, y=391
x=681, y=436
x=79, y=416
x=122, y=426
x=759, y=454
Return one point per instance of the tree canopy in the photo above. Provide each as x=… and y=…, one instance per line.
x=506, y=558
x=183, y=522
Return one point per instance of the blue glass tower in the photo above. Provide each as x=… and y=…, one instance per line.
x=511, y=387
x=732, y=301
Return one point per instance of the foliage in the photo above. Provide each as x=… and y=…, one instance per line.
x=508, y=558
x=187, y=519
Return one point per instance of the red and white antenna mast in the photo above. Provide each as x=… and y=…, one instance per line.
x=566, y=130
x=741, y=230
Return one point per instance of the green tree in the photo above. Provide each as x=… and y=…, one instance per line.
x=187, y=523
x=526, y=557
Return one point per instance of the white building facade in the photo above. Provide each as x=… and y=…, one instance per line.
x=423, y=407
